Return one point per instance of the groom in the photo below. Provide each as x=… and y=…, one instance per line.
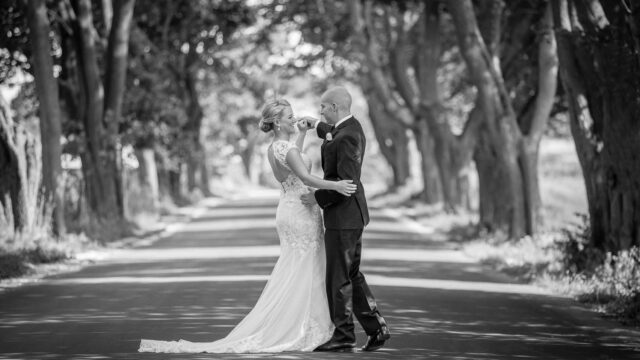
x=344, y=219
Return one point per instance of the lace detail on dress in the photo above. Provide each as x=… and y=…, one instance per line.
x=280, y=150
x=299, y=227
x=315, y=333
x=292, y=186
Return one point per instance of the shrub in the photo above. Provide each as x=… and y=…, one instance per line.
x=577, y=256
x=19, y=250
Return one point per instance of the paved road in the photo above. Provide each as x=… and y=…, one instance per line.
x=199, y=282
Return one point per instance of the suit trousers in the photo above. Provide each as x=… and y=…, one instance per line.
x=347, y=289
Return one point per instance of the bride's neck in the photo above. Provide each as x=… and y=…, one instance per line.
x=281, y=136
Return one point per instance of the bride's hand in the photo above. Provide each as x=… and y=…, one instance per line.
x=302, y=124
x=346, y=187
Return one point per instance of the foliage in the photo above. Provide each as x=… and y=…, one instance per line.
x=14, y=51
x=565, y=263
x=21, y=250
x=578, y=257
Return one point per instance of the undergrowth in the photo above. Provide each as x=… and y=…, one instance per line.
x=22, y=249
x=564, y=262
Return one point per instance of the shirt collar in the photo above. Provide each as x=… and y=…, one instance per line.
x=342, y=120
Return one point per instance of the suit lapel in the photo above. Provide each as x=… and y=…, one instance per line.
x=344, y=124
x=324, y=143
x=334, y=133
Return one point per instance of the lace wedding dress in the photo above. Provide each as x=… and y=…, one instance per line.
x=292, y=312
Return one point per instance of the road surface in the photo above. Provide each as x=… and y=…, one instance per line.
x=200, y=281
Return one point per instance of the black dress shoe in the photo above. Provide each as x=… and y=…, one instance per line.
x=376, y=341
x=337, y=346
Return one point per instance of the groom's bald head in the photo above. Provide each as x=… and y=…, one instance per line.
x=335, y=104
x=338, y=95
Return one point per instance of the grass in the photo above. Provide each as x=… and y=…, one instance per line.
x=23, y=252
x=557, y=258
x=609, y=283
x=561, y=184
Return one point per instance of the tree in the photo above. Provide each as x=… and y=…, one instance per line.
x=186, y=38
x=335, y=49
x=20, y=176
x=392, y=139
x=599, y=51
x=93, y=98
x=506, y=156
x=49, y=109
x=381, y=70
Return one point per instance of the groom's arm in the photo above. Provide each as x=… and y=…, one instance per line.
x=326, y=198
x=349, y=153
x=322, y=129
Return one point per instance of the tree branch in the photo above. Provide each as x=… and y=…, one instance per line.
x=547, y=78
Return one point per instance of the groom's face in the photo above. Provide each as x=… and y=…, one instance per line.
x=328, y=111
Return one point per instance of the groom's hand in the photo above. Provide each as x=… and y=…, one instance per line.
x=308, y=199
x=311, y=122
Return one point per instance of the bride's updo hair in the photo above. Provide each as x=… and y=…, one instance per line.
x=271, y=112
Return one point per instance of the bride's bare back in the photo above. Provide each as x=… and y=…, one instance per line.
x=279, y=166
x=279, y=170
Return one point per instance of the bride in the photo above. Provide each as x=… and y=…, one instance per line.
x=292, y=313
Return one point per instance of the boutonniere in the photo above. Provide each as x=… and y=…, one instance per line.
x=328, y=137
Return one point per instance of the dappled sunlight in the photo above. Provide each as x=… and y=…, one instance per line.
x=230, y=225
x=201, y=282
x=182, y=271
x=250, y=212
x=400, y=227
x=249, y=252
x=156, y=280
x=177, y=253
x=449, y=256
x=379, y=280
x=373, y=279
x=268, y=222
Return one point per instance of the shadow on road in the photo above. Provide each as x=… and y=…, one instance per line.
x=200, y=282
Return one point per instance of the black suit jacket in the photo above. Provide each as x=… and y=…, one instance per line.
x=342, y=160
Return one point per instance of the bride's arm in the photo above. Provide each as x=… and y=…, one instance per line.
x=300, y=139
x=345, y=187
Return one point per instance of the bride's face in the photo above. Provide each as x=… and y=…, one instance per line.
x=288, y=121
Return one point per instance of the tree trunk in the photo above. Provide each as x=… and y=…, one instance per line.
x=175, y=185
x=148, y=173
x=96, y=165
x=204, y=175
x=164, y=178
x=432, y=189
x=115, y=76
x=453, y=155
x=534, y=128
x=598, y=46
x=101, y=161
x=193, y=126
x=492, y=180
x=500, y=135
x=381, y=77
x=193, y=169
x=49, y=111
x=392, y=139
x=13, y=184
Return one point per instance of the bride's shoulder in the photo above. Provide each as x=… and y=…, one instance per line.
x=281, y=148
